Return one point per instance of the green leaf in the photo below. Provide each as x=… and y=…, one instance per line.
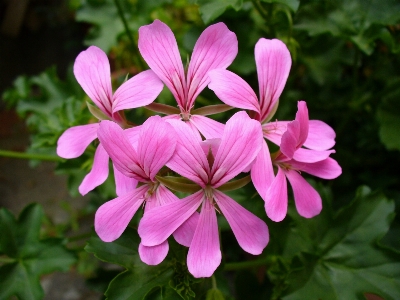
x=292, y=4
x=214, y=294
x=212, y=9
x=29, y=256
x=341, y=259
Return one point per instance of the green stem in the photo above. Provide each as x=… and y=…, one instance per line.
x=245, y=264
x=260, y=9
x=136, y=54
x=213, y=282
x=6, y=260
x=25, y=155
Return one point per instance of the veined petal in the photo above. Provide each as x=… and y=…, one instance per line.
x=250, y=231
x=122, y=153
x=302, y=118
x=184, y=234
x=308, y=201
x=204, y=255
x=216, y=48
x=326, y=169
x=156, y=144
x=73, y=142
x=158, y=46
x=240, y=144
x=189, y=159
x=276, y=198
x=132, y=135
x=311, y=156
x=165, y=196
x=113, y=217
x=142, y=89
x=290, y=139
x=153, y=255
x=233, y=90
x=262, y=172
x=92, y=71
x=123, y=183
x=273, y=131
x=320, y=136
x=98, y=174
x=273, y=63
x=209, y=128
x=160, y=222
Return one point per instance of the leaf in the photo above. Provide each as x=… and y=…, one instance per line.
x=214, y=294
x=29, y=256
x=212, y=9
x=343, y=260
x=292, y=4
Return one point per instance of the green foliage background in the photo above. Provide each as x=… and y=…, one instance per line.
x=346, y=66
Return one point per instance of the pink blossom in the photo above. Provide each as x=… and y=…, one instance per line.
x=215, y=49
x=210, y=165
x=92, y=71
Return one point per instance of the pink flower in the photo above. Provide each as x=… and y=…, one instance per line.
x=290, y=161
x=154, y=147
x=273, y=65
x=215, y=49
x=92, y=71
x=210, y=165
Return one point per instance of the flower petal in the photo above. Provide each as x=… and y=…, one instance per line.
x=92, y=71
x=189, y=159
x=184, y=234
x=290, y=139
x=156, y=144
x=160, y=222
x=122, y=153
x=273, y=63
x=153, y=255
x=320, y=136
x=276, y=198
x=326, y=169
x=273, y=131
x=308, y=201
x=73, y=142
x=311, y=156
x=113, y=217
x=233, y=90
x=240, y=144
x=142, y=89
x=123, y=183
x=158, y=46
x=250, y=231
x=204, y=255
x=209, y=128
x=216, y=48
x=99, y=172
x=262, y=172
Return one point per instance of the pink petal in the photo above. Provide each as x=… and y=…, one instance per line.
x=184, y=234
x=73, y=142
x=153, y=255
x=262, y=172
x=290, y=139
x=308, y=201
x=273, y=63
x=189, y=159
x=123, y=183
x=276, y=198
x=158, y=46
x=92, y=71
x=250, y=231
x=132, y=135
x=165, y=196
x=156, y=144
x=240, y=144
x=311, y=156
x=113, y=217
x=320, y=136
x=122, y=153
x=326, y=169
x=138, y=91
x=160, y=222
x=302, y=118
x=233, y=90
x=273, y=131
x=204, y=255
x=99, y=172
x=210, y=144
x=209, y=128
x=216, y=48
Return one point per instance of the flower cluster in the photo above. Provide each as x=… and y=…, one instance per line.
x=207, y=154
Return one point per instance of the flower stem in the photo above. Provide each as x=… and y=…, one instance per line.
x=25, y=155
x=213, y=282
x=245, y=264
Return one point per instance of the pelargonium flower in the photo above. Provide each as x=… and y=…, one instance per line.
x=273, y=64
x=155, y=146
x=210, y=164
x=92, y=71
x=216, y=48
x=290, y=161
